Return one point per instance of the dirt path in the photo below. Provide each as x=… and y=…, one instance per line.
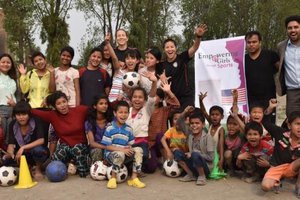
x=158, y=187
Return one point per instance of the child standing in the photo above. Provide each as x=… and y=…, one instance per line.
x=67, y=78
x=153, y=57
x=201, y=148
x=93, y=79
x=255, y=154
x=131, y=61
x=8, y=88
x=26, y=137
x=99, y=117
x=118, y=140
x=36, y=83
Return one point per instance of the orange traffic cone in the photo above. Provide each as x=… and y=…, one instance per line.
x=25, y=180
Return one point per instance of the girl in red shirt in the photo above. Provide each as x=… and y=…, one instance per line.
x=69, y=127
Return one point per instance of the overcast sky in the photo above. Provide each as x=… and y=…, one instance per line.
x=77, y=29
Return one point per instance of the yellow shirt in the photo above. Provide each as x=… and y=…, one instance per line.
x=37, y=87
x=178, y=140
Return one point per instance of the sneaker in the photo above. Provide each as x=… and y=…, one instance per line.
x=187, y=178
x=136, y=183
x=201, y=180
x=112, y=183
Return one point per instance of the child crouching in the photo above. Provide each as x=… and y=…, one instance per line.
x=201, y=148
x=255, y=154
x=118, y=139
x=26, y=137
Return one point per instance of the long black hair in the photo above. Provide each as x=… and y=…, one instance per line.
x=12, y=73
x=52, y=98
x=92, y=113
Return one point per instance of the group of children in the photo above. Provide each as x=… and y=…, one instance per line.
x=90, y=115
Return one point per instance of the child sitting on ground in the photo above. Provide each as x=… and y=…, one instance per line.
x=285, y=162
x=254, y=155
x=234, y=138
x=118, y=139
x=176, y=147
x=256, y=114
x=26, y=137
x=201, y=146
x=233, y=144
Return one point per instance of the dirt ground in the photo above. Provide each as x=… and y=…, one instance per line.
x=158, y=187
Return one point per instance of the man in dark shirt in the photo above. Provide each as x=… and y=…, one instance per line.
x=260, y=67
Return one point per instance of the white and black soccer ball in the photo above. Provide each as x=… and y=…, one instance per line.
x=121, y=175
x=131, y=79
x=171, y=168
x=8, y=176
x=98, y=171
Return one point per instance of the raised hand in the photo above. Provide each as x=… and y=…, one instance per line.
x=200, y=30
x=150, y=75
x=22, y=69
x=163, y=78
x=50, y=68
x=234, y=93
x=166, y=87
x=202, y=96
x=273, y=103
x=189, y=109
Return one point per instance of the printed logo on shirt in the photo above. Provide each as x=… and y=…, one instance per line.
x=175, y=64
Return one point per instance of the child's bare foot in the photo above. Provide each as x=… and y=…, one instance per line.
x=37, y=174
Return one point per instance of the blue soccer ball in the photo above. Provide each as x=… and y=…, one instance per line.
x=56, y=171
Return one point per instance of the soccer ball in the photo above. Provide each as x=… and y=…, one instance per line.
x=121, y=175
x=56, y=171
x=98, y=171
x=131, y=79
x=8, y=176
x=171, y=168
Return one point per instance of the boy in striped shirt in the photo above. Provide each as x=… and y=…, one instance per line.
x=118, y=139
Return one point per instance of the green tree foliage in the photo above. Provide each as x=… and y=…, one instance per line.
x=109, y=14
x=52, y=16
x=19, y=25
x=227, y=18
x=150, y=21
x=147, y=21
